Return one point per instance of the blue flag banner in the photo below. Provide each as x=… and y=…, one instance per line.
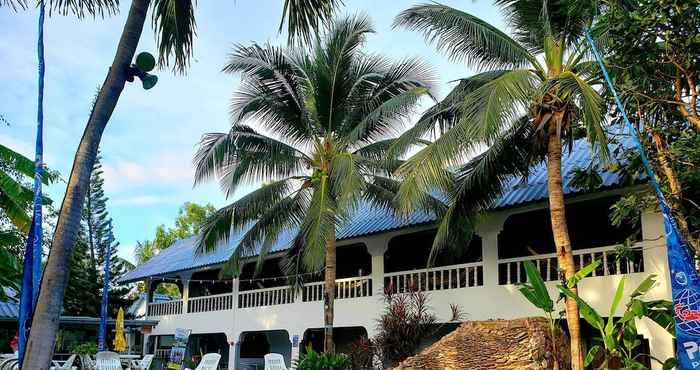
x=31, y=273
x=102, y=334
x=685, y=283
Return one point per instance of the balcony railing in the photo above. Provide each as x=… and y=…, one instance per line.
x=209, y=303
x=266, y=297
x=173, y=307
x=344, y=288
x=512, y=270
x=438, y=278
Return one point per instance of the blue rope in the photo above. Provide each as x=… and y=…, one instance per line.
x=31, y=275
x=633, y=132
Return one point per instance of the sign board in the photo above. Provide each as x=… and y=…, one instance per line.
x=179, y=349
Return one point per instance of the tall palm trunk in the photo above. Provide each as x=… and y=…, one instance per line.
x=46, y=316
x=329, y=296
x=561, y=234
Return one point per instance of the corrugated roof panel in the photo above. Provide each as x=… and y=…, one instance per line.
x=369, y=220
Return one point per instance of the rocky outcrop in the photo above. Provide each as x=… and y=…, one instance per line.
x=495, y=344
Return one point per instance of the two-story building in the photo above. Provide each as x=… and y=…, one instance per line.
x=247, y=317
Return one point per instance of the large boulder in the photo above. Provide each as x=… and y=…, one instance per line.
x=495, y=344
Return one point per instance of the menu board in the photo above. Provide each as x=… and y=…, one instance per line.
x=179, y=348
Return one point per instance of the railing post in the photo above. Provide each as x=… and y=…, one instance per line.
x=489, y=230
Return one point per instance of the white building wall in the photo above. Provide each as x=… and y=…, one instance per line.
x=490, y=301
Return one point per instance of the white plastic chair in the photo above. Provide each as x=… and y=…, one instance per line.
x=142, y=364
x=274, y=361
x=108, y=361
x=9, y=363
x=87, y=362
x=210, y=361
x=64, y=365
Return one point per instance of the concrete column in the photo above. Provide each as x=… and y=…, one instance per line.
x=185, y=291
x=488, y=230
x=232, y=352
x=376, y=247
x=655, y=253
x=296, y=343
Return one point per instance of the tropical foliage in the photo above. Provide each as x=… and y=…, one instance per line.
x=174, y=25
x=330, y=112
x=534, y=90
x=312, y=360
x=653, y=59
x=188, y=222
x=618, y=334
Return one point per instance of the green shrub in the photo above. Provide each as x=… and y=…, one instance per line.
x=313, y=360
x=87, y=348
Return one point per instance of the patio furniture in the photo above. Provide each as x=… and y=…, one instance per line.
x=210, y=361
x=87, y=362
x=9, y=363
x=64, y=365
x=108, y=361
x=274, y=361
x=142, y=364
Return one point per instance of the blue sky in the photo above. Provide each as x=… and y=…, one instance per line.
x=148, y=144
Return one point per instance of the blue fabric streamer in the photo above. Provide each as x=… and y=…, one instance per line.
x=102, y=334
x=31, y=274
x=685, y=283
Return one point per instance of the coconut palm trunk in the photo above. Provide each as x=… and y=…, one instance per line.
x=46, y=316
x=560, y=232
x=329, y=297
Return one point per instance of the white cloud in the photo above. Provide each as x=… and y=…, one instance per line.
x=141, y=200
x=156, y=170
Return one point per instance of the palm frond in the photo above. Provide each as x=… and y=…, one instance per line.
x=240, y=214
x=443, y=115
x=532, y=20
x=17, y=161
x=304, y=18
x=465, y=37
x=570, y=87
x=333, y=58
x=285, y=214
x=319, y=225
x=480, y=182
x=272, y=90
x=346, y=180
x=14, y=4
x=497, y=103
x=175, y=28
x=245, y=156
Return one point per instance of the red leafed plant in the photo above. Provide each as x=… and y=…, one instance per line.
x=407, y=320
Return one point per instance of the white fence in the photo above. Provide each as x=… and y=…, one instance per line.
x=438, y=278
x=512, y=270
x=344, y=288
x=208, y=303
x=173, y=307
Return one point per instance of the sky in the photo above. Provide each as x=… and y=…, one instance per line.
x=149, y=142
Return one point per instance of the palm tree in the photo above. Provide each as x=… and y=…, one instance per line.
x=174, y=24
x=329, y=113
x=16, y=197
x=534, y=90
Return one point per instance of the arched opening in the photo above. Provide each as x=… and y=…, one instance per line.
x=410, y=252
x=343, y=337
x=254, y=345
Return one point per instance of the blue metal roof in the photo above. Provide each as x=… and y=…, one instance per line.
x=371, y=220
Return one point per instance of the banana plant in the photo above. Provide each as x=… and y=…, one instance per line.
x=618, y=335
